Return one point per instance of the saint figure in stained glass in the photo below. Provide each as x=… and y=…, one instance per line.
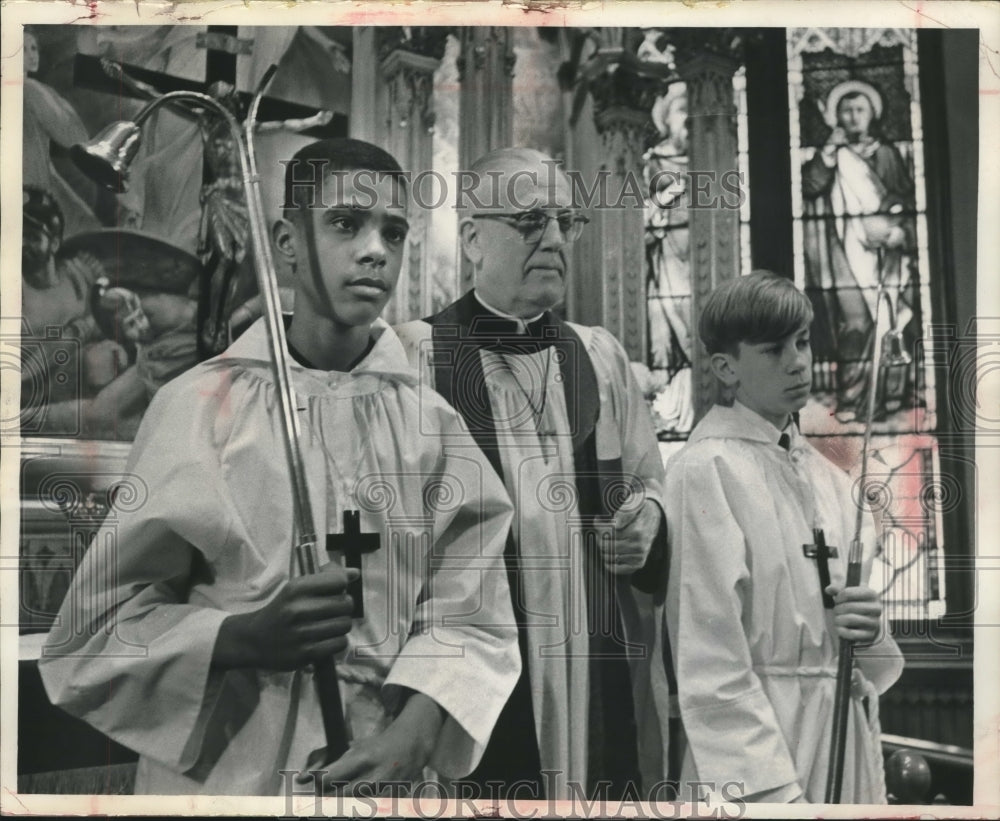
x=860, y=191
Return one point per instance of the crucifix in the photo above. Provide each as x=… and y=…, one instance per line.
x=822, y=553
x=226, y=282
x=352, y=543
x=89, y=73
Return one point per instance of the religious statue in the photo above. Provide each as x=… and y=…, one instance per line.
x=227, y=279
x=56, y=320
x=50, y=120
x=156, y=334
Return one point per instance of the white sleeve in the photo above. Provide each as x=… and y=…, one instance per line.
x=462, y=649
x=128, y=653
x=625, y=427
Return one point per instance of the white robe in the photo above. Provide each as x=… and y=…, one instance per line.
x=209, y=534
x=551, y=572
x=755, y=652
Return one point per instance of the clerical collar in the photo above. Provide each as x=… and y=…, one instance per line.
x=521, y=326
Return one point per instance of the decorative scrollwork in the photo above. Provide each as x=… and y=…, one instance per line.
x=872, y=493
x=375, y=494
x=942, y=494
x=443, y=494
x=623, y=495
x=63, y=492
x=558, y=493
x=128, y=494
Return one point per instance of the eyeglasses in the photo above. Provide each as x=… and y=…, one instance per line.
x=533, y=224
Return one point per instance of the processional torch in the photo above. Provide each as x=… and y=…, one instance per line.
x=106, y=160
x=888, y=349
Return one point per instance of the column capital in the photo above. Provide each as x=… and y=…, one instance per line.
x=409, y=79
x=691, y=44
x=424, y=41
x=481, y=46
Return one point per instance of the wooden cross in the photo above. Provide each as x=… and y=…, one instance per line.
x=222, y=282
x=88, y=73
x=819, y=551
x=352, y=543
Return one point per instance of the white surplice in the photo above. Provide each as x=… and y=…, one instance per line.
x=534, y=438
x=210, y=533
x=755, y=652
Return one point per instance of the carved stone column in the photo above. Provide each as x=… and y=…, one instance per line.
x=619, y=226
x=405, y=103
x=610, y=262
x=486, y=102
x=714, y=228
x=364, y=79
x=486, y=71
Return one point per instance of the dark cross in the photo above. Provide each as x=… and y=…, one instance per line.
x=352, y=543
x=87, y=73
x=219, y=281
x=822, y=554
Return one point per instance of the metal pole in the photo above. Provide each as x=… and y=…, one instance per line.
x=845, y=658
x=305, y=547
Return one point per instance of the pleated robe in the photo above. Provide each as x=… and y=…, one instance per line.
x=522, y=398
x=209, y=533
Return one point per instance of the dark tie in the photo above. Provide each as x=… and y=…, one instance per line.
x=785, y=441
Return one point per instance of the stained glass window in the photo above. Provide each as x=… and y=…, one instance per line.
x=860, y=240
x=668, y=274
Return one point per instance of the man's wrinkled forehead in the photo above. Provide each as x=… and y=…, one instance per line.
x=511, y=184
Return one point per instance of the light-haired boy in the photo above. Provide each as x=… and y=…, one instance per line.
x=754, y=646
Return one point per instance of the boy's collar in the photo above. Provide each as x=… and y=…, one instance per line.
x=386, y=358
x=739, y=422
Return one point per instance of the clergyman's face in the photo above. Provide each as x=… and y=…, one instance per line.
x=854, y=115
x=774, y=378
x=349, y=253
x=515, y=276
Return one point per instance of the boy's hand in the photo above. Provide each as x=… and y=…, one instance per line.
x=634, y=533
x=857, y=613
x=307, y=621
x=397, y=754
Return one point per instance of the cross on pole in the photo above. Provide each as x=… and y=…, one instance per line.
x=352, y=543
x=225, y=281
x=822, y=553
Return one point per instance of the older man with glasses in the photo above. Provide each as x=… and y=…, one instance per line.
x=554, y=407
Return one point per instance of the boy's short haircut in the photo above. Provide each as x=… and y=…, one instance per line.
x=759, y=307
x=332, y=155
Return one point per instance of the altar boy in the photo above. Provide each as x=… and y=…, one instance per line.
x=187, y=635
x=754, y=646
